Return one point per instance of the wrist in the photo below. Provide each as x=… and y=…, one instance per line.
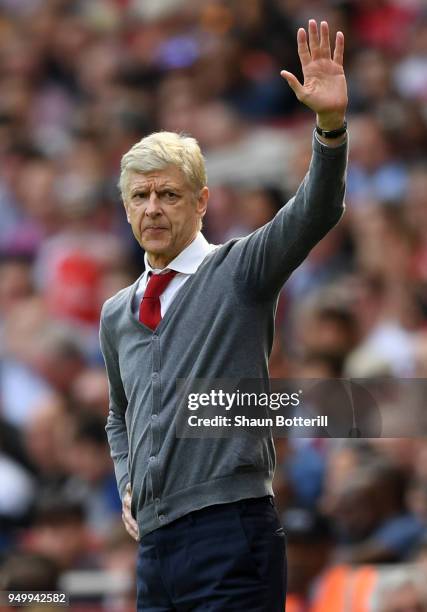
x=332, y=137
x=330, y=121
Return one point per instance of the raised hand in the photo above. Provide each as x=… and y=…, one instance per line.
x=324, y=89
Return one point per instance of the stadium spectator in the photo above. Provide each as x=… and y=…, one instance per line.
x=371, y=519
x=60, y=533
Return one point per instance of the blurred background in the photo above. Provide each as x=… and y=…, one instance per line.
x=80, y=83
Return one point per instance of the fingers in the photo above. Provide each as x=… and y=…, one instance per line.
x=339, y=48
x=315, y=47
x=313, y=39
x=303, y=50
x=129, y=522
x=325, y=46
x=293, y=83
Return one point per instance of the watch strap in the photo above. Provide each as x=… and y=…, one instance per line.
x=332, y=133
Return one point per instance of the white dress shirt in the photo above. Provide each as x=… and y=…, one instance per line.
x=186, y=264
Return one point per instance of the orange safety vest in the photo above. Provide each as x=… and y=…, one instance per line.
x=345, y=589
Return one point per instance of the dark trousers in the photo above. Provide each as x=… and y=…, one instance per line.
x=228, y=557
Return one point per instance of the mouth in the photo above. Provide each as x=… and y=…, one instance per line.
x=155, y=229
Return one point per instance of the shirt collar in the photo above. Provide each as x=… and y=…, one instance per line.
x=189, y=259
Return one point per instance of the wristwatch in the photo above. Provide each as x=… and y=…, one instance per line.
x=332, y=133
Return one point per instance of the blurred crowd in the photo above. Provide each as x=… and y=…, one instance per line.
x=81, y=81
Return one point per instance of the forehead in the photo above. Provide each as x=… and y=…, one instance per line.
x=171, y=176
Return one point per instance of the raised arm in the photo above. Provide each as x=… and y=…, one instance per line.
x=266, y=258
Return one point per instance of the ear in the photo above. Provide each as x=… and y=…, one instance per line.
x=202, y=201
x=127, y=212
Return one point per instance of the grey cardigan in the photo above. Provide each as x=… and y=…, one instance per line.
x=219, y=325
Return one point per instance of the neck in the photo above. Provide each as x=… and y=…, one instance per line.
x=158, y=262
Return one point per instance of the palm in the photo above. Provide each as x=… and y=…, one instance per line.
x=324, y=89
x=324, y=86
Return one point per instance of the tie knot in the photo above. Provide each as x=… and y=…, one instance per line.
x=157, y=283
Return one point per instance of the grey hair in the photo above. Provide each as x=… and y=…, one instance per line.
x=393, y=580
x=161, y=149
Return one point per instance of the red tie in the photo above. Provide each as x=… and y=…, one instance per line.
x=149, y=310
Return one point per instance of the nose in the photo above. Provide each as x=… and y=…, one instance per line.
x=153, y=206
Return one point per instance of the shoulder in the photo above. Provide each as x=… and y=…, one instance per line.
x=116, y=305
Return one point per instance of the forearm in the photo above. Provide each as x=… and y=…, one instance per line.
x=317, y=207
x=268, y=256
x=321, y=193
x=119, y=451
x=116, y=422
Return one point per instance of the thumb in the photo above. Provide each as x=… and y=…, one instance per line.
x=293, y=83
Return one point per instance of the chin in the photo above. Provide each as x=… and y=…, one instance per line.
x=155, y=246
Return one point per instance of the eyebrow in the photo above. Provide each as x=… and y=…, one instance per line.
x=161, y=189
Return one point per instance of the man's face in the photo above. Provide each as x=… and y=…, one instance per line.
x=164, y=212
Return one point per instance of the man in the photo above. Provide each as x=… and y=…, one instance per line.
x=202, y=510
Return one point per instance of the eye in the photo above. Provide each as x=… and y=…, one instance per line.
x=169, y=196
x=138, y=196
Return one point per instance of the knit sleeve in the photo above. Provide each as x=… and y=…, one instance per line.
x=262, y=261
x=116, y=424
